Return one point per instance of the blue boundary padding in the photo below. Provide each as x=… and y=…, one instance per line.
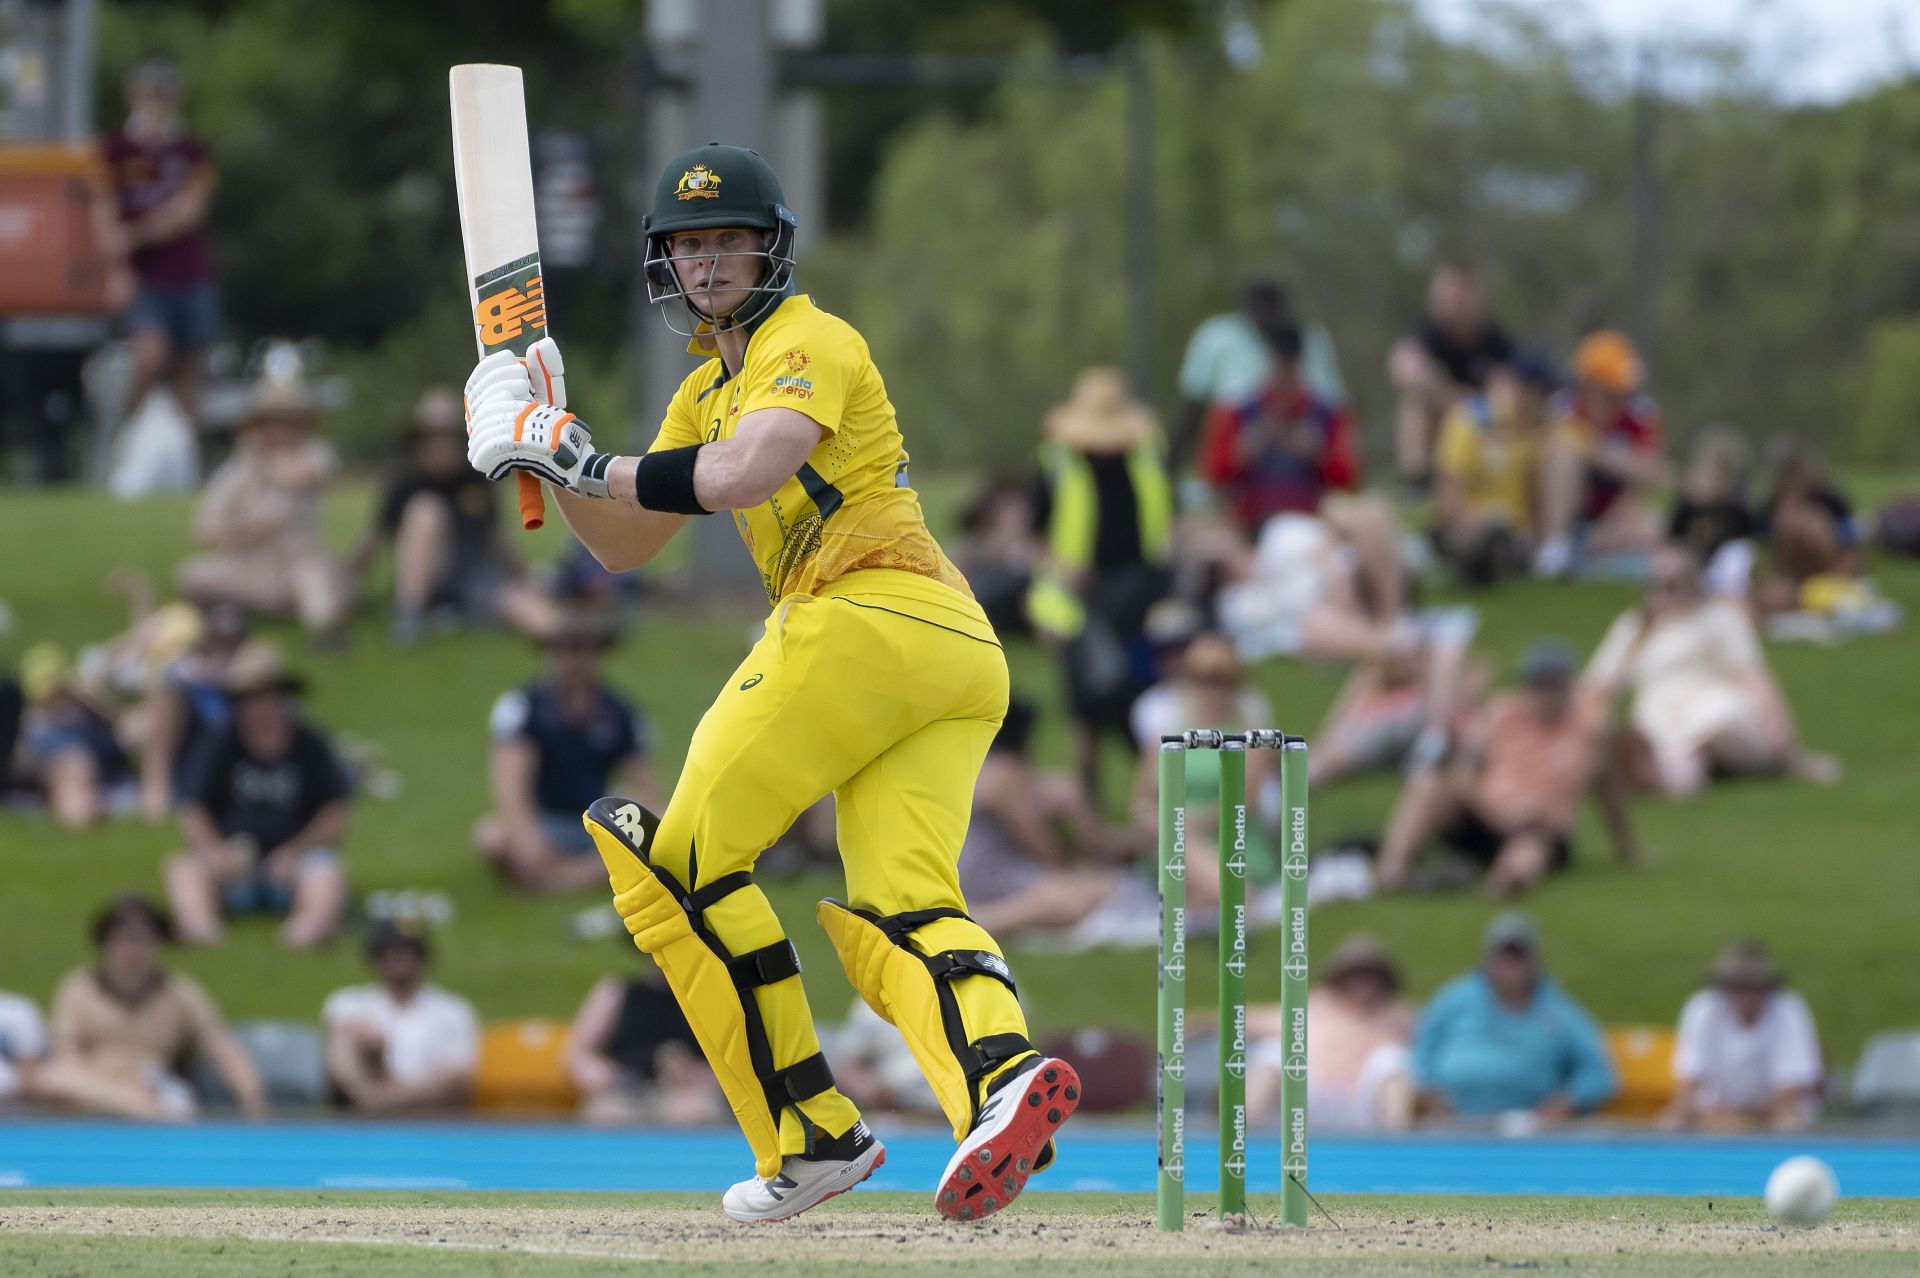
x=420, y=1156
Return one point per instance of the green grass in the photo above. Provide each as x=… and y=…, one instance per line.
x=550, y=1235
x=1828, y=875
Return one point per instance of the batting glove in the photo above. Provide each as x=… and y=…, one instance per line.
x=509, y=429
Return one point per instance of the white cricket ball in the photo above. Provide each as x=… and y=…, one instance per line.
x=1801, y=1191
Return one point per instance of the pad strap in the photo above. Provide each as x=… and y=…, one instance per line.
x=952, y=964
x=799, y=1081
x=764, y=966
x=701, y=899
x=982, y=1056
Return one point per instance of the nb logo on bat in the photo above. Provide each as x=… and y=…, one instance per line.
x=502, y=317
x=627, y=817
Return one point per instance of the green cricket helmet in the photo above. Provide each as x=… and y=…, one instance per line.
x=719, y=185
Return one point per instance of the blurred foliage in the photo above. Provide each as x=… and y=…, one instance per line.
x=984, y=250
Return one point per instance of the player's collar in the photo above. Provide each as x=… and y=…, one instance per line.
x=703, y=344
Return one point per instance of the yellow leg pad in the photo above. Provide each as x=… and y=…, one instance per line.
x=897, y=985
x=744, y=921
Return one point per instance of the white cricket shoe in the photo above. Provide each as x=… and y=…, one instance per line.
x=1006, y=1144
x=807, y=1182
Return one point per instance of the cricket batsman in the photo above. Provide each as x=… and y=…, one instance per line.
x=878, y=680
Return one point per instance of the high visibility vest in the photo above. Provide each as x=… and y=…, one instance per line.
x=1076, y=515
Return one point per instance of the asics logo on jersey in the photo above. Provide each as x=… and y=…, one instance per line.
x=751, y=682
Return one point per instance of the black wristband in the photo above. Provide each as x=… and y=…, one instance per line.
x=663, y=481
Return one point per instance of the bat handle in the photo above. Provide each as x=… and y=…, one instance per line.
x=533, y=502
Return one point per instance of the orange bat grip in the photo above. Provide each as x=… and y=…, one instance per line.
x=533, y=502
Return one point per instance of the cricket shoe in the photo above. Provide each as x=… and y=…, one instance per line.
x=1011, y=1140
x=805, y=1181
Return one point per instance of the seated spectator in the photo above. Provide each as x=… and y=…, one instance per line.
x=1747, y=1056
x=1810, y=528
x=1281, y=450
x=634, y=1058
x=1377, y=719
x=1508, y=799
x=1104, y=503
x=1324, y=588
x=1484, y=472
x=1447, y=358
x=69, y=749
x=1703, y=701
x=259, y=520
x=1230, y=356
x=1602, y=462
x=263, y=815
x=1712, y=520
x=185, y=708
x=559, y=743
x=449, y=555
x=1359, y=1068
x=1504, y=1040
x=1206, y=687
x=1037, y=856
x=998, y=552
x=23, y=1045
x=123, y=1028
x=400, y=1044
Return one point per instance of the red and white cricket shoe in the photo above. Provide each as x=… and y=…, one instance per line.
x=993, y=1163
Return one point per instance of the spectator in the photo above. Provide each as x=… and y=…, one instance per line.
x=1445, y=359
x=1747, y=1054
x=1504, y=1040
x=259, y=520
x=1207, y=687
x=1359, y=1068
x=1280, y=450
x=559, y=743
x=1602, y=462
x=1810, y=527
x=186, y=707
x=263, y=815
x=1712, y=520
x=448, y=551
x=1105, y=503
x=998, y=552
x=13, y=711
x=1229, y=359
x=400, y=1044
x=1484, y=470
x=23, y=1046
x=122, y=1029
x=164, y=179
x=1509, y=799
x=69, y=746
x=1327, y=587
x=1377, y=719
x=1703, y=700
x=634, y=1057
x=1037, y=856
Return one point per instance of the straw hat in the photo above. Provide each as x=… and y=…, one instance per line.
x=257, y=666
x=1101, y=416
x=1746, y=963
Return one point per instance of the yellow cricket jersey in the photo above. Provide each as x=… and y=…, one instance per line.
x=1493, y=462
x=849, y=508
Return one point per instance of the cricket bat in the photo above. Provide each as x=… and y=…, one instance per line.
x=493, y=174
